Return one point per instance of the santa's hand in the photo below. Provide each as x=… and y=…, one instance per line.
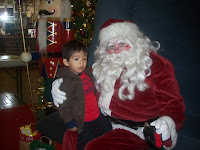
x=162, y=128
x=58, y=96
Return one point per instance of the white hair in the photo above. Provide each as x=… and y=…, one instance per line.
x=42, y=33
x=131, y=66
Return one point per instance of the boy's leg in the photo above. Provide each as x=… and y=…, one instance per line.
x=52, y=126
x=87, y=134
x=102, y=125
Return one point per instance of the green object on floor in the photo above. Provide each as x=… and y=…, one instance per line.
x=36, y=145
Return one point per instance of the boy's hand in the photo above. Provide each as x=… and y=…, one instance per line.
x=73, y=129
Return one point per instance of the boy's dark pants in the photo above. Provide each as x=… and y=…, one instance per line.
x=92, y=130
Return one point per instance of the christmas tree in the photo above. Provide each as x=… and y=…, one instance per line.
x=40, y=105
x=83, y=12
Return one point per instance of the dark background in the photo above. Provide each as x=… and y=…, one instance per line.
x=175, y=25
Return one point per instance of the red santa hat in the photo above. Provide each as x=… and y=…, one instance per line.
x=118, y=28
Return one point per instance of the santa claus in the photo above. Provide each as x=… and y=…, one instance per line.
x=135, y=85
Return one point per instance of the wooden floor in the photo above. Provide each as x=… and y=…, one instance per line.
x=9, y=100
x=10, y=95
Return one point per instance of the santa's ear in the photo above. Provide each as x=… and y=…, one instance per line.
x=65, y=62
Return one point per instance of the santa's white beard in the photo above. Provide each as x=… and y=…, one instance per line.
x=42, y=35
x=132, y=67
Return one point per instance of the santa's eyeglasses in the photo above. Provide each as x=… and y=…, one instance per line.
x=117, y=47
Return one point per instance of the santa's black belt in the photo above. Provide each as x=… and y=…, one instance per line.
x=129, y=123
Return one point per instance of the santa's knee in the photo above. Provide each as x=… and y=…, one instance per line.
x=117, y=140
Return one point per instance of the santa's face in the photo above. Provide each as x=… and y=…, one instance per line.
x=117, y=45
x=124, y=58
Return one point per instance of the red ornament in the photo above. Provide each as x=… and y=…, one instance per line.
x=73, y=13
x=90, y=5
x=82, y=33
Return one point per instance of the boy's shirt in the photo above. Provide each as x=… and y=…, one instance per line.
x=91, y=107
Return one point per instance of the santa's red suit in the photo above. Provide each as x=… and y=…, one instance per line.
x=156, y=94
x=161, y=99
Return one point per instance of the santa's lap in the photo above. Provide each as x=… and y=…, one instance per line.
x=117, y=139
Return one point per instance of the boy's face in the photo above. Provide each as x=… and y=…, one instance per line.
x=77, y=62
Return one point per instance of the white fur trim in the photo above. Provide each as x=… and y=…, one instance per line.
x=104, y=102
x=66, y=9
x=138, y=132
x=172, y=126
x=121, y=29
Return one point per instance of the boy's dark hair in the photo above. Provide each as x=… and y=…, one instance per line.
x=71, y=47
